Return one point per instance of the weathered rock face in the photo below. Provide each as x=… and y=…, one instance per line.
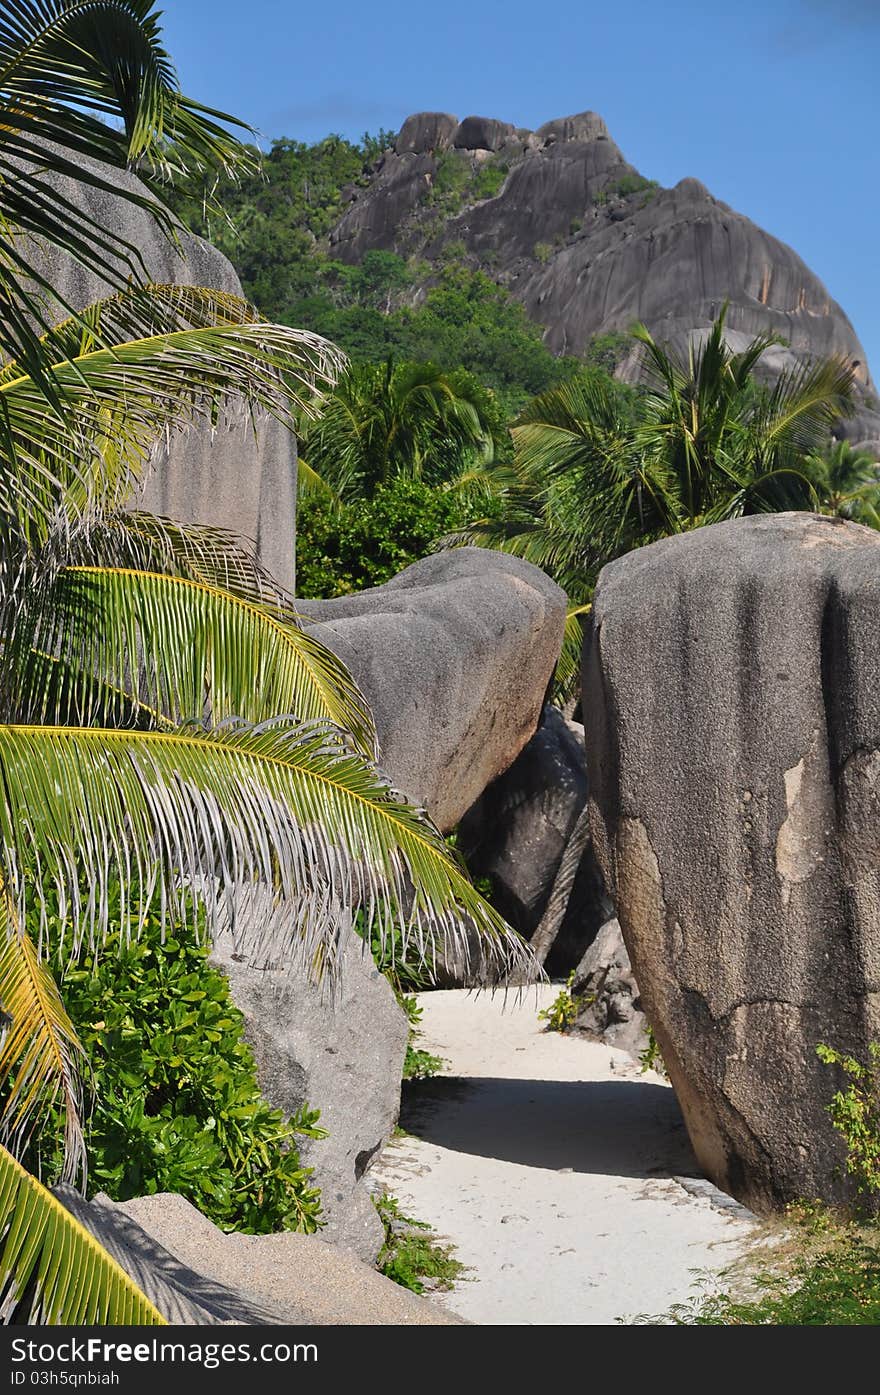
x=482, y=133
x=454, y=656
x=425, y=132
x=231, y=478
x=589, y=246
x=516, y=833
x=343, y=1055
x=198, y=1276
x=612, y=1006
x=732, y=701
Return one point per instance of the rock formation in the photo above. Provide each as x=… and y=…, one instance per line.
x=516, y=832
x=197, y=1276
x=454, y=656
x=342, y=1054
x=234, y=478
x=732, y=711
x=589, y=245
x=610, y=1003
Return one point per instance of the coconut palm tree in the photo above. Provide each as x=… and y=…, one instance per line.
x=847, y=482
x=594, y=475
x=384, y=421
x=166, y=726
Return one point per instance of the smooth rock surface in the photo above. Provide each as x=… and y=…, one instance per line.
x=454, y=656
x=234, y=477
x=342, y=1054
x=426, y=132
x=197, y=1275
x=516, y=832
x=482, y=133
x=732, y=700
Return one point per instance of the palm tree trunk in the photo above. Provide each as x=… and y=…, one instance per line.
x=560, y=894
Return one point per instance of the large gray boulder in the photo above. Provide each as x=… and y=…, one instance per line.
x=235, y=477
x=516, y=832
x=732, y=709
x=341, y=1052
x=426, y=132
x=454, y=656
x=198, y=1276
x=483, y=133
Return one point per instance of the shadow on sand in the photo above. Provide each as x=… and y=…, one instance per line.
x=620, y=1128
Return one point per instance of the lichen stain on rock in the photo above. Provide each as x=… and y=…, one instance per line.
x=641, y=907
x=809, y=823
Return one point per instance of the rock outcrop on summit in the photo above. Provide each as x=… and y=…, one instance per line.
x=588, y=245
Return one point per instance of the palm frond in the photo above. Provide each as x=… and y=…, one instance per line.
x=566, y=679
x=141, y=541
x=66, y=66
x=41, y=1055
x=285, y=817
x=121, y=401
x=311, y=485
x=183, y=648
x=52, y=1270
x=137, y=313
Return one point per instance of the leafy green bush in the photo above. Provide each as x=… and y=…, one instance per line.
x=367, y=542
x=562, y=1012
x=632, y=184
x=608, y=350
x=840, y=1287
x=855, y=1115
x=490, y=179
x=177, y=1106
x=410, y=1254
x=650, y=1057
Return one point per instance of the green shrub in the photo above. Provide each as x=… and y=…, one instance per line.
x=542, y=252
x=839, y=1287
x=410, y=1254
x=650, y=1057
x=855, y=1115
x=367, y=542
x=490, y=180
x=177, y=1106
x=565, y=1007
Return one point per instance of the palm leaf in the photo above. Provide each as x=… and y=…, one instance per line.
x=199, y=654
x=286, y=817
x=41, y=1052
x=142, y=541
x=51, y=1269
x=121, y=401
x=65, y=66
x=566, y=679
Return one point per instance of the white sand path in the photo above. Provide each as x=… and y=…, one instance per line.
x=551, y=1163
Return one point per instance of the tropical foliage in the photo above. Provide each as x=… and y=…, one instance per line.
x=176, y=1106
x=595, y=474
x=412, y=420
x=169, y=736
x=344, y=547
x=51, y=1269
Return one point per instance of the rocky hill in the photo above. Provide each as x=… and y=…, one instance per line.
x=586, y=243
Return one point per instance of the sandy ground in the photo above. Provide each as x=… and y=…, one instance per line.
x=552, y=1165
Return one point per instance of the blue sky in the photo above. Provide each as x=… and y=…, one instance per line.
x=771, y=103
